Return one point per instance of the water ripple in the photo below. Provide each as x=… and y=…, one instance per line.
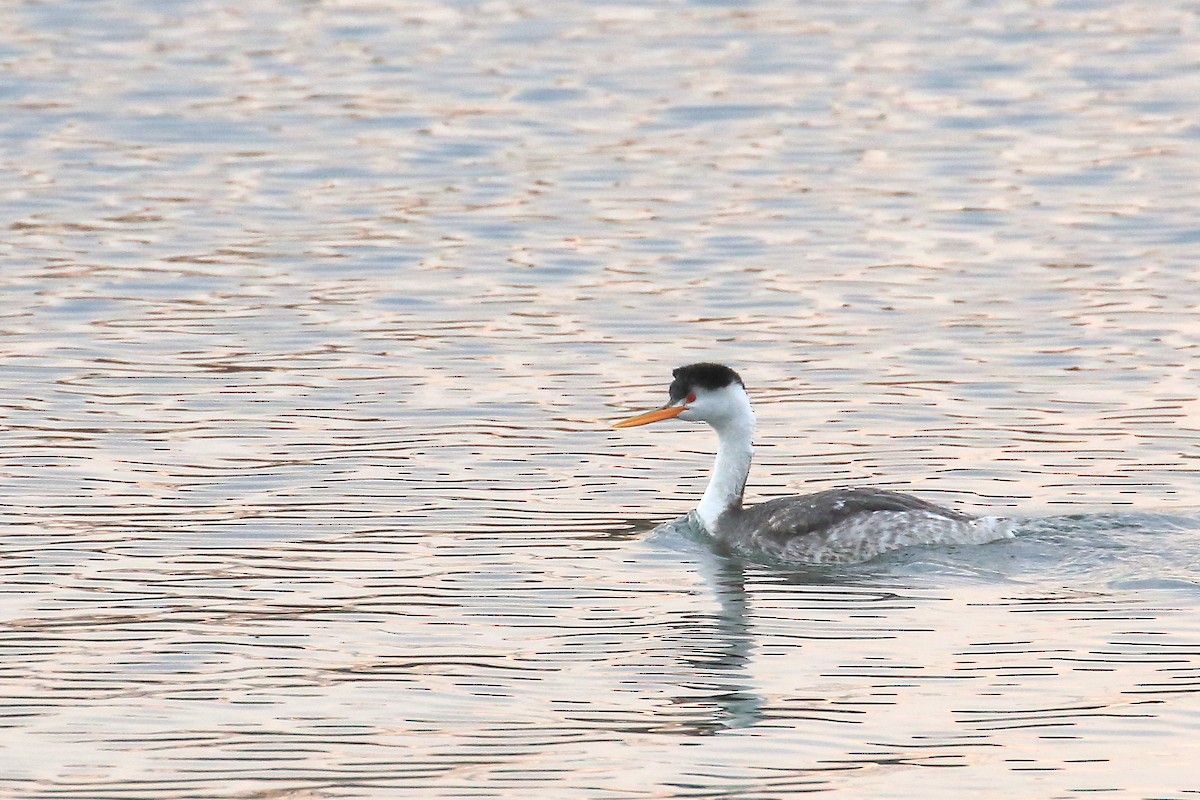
x=316, y=317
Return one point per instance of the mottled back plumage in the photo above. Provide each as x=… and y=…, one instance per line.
x=840, y=526
x=788, y=517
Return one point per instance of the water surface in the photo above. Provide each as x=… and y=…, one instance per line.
x=316, y=316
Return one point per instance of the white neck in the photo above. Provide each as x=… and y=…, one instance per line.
x=735, y=448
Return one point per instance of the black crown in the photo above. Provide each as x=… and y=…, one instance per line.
x=701, y=376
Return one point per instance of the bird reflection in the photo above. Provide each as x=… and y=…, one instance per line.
x=717, y=692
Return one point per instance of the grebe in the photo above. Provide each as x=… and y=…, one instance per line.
x=833, y=526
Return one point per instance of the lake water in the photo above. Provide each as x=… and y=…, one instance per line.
x=316, y=316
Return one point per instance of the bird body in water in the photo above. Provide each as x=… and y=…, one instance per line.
x=832, y=526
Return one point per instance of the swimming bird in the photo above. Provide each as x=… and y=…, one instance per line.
x=832, y=526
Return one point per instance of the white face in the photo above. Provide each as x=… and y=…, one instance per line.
x=716, y=405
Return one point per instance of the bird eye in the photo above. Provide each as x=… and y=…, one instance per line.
x=692, y=397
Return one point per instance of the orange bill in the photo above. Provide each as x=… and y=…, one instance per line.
x=651, y=416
